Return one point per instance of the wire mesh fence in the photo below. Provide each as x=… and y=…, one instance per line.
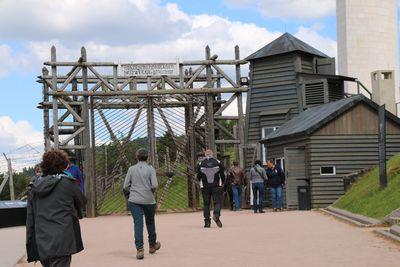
x=120, y=132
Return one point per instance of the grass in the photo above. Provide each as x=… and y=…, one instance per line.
x=365, y=196
x=175, y=197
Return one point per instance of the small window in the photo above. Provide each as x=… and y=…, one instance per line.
x=327, y=170
x=386, y=75
x=267, y=130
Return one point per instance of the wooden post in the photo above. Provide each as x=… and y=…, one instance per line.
x=10, y=177
x=46, y=117
x=93, y=156
x=87, y=163
x=382, y=147
x=151, y=135
x=210, y=108
x=55, y=102
x=240, y=111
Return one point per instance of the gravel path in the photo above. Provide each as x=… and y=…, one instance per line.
x=292, y=238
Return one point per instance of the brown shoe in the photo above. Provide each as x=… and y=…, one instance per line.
x=154, y=248
x=140, y=254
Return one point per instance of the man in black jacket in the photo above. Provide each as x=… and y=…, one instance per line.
x=210, y=174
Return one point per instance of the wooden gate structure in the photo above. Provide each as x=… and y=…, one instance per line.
x=101, y=116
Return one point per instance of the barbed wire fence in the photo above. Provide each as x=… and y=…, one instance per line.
x=15, y=161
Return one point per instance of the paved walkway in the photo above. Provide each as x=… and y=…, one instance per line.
x=272, y=239
x=12, y=245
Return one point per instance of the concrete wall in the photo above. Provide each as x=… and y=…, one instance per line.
x=367, y=39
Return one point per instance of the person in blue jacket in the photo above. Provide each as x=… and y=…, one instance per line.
x=75, y=172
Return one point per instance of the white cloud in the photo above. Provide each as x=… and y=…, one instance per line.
x=286, y=9
x=124, y=32
x=313, y=38
x=15, y=134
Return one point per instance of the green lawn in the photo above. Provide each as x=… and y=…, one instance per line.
x=366, y=198
x=176, y=197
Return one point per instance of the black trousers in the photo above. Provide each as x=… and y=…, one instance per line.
x=64, y=261
x=215, y=193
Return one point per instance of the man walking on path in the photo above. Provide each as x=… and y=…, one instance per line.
x=210, y=174
x=257, y=178
x=237, y=180
x=141, y=183
x=276, y=180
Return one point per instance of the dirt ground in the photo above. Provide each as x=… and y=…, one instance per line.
x=292, y=238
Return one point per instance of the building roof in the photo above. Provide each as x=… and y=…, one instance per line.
x=314, y=118
x=286, y=43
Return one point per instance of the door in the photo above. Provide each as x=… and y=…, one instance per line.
x=295, y=172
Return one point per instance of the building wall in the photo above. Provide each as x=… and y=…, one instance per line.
x=348, y=153
x=273, y=88
x=367, y=33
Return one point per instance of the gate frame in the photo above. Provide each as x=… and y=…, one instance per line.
x=71, y=96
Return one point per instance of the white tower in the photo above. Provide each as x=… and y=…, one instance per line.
x=367, y=39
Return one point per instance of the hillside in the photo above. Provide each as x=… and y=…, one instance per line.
x=365, y=196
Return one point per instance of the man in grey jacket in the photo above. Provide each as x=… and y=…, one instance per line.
x=141, y=183
x=257, y=178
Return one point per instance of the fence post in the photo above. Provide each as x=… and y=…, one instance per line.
x=382, y=148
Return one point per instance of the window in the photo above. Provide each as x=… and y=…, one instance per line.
x=280, y=162
x=386, y=75
x=327, y=170
x=264, y=132
x=267, y=130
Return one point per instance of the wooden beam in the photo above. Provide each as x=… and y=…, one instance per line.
x=71, y=110
x=155, y=92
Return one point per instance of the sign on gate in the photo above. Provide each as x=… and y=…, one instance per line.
x=149, y=69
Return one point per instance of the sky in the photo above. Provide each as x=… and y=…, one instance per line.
x=136, y=31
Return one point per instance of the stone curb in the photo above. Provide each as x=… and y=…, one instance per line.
x=395, y=230
x=355, y=217
x=344, y=218
x=387, y=234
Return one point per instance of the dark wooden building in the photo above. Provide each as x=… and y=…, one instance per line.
x=286, y=77
x=325, y=142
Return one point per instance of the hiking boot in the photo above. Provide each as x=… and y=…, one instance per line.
x=217, y=221
x=207, y=224
x=140, y=254
x=155, y=247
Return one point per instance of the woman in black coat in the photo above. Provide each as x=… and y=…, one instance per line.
x=54, y=206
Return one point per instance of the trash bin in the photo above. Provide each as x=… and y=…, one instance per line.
x=303, y=193
x=12, y=213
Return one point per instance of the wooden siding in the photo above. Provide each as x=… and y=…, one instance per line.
x=348, y=153
x=272, y=87
x=361, y=119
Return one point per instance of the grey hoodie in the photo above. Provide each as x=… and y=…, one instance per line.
x=257, y=174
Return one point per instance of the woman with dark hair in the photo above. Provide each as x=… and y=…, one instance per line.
x=54, y=203
x=257, y=178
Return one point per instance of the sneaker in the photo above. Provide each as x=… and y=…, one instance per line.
x=207, y=224
x=140, y=254
x=155, y=247
x=217, y=221
x=275, y=209
x=255, y=211
x=280, y=209
x=261, y=211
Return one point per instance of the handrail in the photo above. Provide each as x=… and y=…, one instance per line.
x=365, y=88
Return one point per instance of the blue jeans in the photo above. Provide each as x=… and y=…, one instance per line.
x=276, y=194
x=138, y=210
x=237, y=195
x=258, y=195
